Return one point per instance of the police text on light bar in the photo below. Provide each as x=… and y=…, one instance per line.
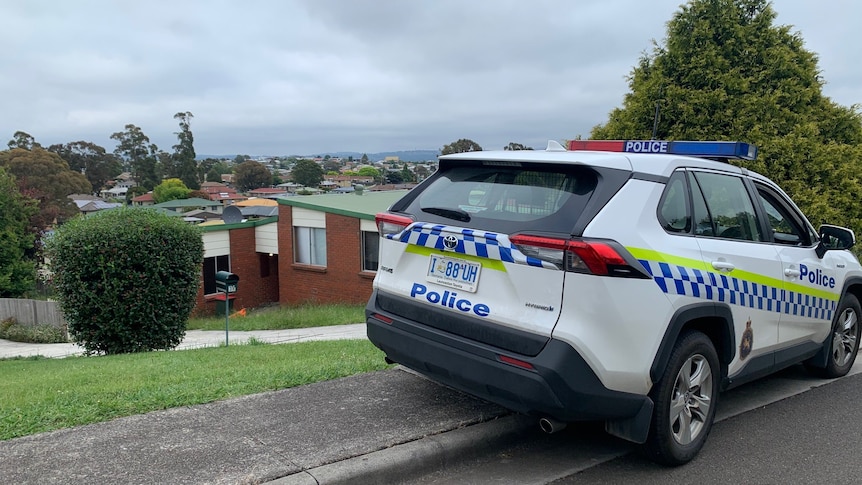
x=718, y=149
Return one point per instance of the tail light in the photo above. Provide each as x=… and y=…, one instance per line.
x=590, y=256
x=388, y=224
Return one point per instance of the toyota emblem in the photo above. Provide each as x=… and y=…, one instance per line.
x=450, y=242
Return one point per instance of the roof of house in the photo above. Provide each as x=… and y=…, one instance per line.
x=364, y=206
x=193, y=202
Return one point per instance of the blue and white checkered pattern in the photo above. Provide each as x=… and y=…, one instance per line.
x=470, y=241
x=679, y=280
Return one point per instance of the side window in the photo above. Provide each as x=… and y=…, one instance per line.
x=673, y=207
x=309, y=245
x=785, y=224
x=730, y=206
x=370, y=250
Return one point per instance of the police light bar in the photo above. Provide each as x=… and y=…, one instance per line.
x=711, y=149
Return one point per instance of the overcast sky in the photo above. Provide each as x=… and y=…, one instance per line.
x=314, y=76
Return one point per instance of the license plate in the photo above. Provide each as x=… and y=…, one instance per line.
x=453, y=272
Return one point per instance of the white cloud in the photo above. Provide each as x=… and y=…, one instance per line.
x=308, y=76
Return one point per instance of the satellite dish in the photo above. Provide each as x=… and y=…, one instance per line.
x=231, y=215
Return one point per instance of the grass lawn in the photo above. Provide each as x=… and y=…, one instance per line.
x=40, y=394
x=282, y=318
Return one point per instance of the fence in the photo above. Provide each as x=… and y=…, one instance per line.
x=32, y=312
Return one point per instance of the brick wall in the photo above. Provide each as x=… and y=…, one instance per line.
x=258, y=275
x=341, y=281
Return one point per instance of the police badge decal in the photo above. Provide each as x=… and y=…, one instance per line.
x=747, y=341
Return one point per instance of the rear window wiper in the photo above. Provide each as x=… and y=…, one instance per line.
x=456, y=214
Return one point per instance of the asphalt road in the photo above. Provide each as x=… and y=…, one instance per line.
x=787, y=429
x=812, y=437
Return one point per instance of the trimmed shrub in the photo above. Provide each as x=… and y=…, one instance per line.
x=126, y=279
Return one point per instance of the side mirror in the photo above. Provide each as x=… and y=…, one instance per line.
x=834, y=237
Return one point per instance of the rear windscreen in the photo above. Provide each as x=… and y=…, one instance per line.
x=506, y=199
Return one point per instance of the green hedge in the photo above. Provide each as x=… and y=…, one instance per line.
x=126, y=279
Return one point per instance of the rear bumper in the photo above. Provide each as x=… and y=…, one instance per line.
x=560, y=384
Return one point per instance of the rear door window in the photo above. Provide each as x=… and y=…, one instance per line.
x=506, y=199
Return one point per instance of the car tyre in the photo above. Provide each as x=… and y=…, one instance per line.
x=843, y=340
x=685, y=400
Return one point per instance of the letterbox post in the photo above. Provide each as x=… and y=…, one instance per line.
x=227, y=282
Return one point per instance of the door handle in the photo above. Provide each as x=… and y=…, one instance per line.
x=723, y=266
x=791, y=273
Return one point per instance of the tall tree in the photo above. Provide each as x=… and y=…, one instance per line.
x=461, y=146
x=516, y=146
x=725, y=72
x=134, y=147
x=184, y=152
x=90, y=159
x=307, y=173
x=17, y=273
x=251, y=175
x=23, y=140
x=44, y=176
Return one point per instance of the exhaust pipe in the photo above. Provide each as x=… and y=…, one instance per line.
x=551, y=426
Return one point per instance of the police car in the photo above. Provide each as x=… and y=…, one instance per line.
x=621, y=281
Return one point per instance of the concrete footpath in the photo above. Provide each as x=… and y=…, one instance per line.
x=380, y=427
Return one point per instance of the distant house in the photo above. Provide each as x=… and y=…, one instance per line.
x=88, y=203
x=222, y=193
x=185, y=205
x=349, y=180
x=143, y=200
x=117, y=192
x=267, y=192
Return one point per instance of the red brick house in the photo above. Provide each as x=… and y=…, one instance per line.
x=319, y=249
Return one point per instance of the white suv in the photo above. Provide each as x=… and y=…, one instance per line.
x=621, y=281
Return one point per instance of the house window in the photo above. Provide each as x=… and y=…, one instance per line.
x=310, y=245
x=211, y=266
x=370, y=250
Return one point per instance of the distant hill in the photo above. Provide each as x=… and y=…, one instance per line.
x=403, y=155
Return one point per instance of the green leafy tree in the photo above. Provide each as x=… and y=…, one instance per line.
x=369, y=172
x=126, y=279
x=251, y=175
x=166, y=166
x=184, y=152
x=90, y=159
x=44, y=176
x=394, y=177
x=23, y=140
x=407, y=175
x=17, y=274
x=307, y=173
x=461, y=146
x=170, y=189
x=516, y=146
x=213, y=175
x=207, y=165
x=331, y=165
x=726, y=72
x=135, y=148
